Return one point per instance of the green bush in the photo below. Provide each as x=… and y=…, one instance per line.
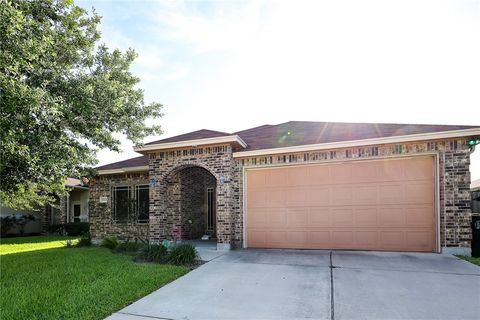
x=85, y=240
x=77, y=228
x=57, y=229
x=129, y=247
x=183, y=254
x=153, y=253
x=110, y=243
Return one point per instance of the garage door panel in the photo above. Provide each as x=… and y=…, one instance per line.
x=276, y=197
x=418, y=169
x=366, y=217
x=342, y=217
x=277, y=178
x=342, y=239
x=420, y=240
x=318, y=216
x=367, y=238
x=340, y=173
x=319, y=196
x=391, y=217
x=364, y=172
x=419, y=216
x=366, y=194
x=297, y=217
x=318, y=175
x=277, y=218
x=418, y=193
x=370, y=205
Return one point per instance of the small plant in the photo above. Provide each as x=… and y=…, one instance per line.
x=153, y=253
x=69, y=244
x=183, y=254
x=85, y=240
x=128, y=247
x=110, y=243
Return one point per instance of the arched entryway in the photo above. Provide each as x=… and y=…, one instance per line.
x=191, y=203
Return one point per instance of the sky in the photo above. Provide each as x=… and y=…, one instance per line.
x=232, y=65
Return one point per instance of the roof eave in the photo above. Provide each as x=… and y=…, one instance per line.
x=362, y=142
x=123, y=170
x=191, y=143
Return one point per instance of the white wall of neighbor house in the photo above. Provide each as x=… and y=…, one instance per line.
x=78, y=196
x=31, y=227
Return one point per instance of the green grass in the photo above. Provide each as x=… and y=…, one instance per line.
x=22, y=244
x=76, y=283
x=470, y=259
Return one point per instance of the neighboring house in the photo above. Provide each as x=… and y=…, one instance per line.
x=71, y=208
x=308, y=185
x=475, y=191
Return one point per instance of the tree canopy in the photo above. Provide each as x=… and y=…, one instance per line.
x=63, y=95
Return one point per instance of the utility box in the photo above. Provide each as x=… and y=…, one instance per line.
x=476, y=236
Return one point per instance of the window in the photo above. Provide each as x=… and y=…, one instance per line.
x=121, y=202
x=142, y=207
x=210, y=209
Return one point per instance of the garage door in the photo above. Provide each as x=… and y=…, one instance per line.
x=365, y=205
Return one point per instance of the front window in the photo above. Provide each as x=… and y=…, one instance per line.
x=142, y=197
x=121, y=199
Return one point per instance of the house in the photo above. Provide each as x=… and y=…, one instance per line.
x=73, y=207
x=475, y=191
x=307, y=185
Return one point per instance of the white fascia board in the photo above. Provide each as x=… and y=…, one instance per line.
x=123, y=170
x=191, y=143
x=364, y=142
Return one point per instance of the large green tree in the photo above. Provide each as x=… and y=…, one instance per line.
x=63, y=96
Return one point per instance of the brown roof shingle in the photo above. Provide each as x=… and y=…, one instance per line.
x=298, y=133
x=134, y=162
x=199, y=134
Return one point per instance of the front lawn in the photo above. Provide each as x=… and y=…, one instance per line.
x=22, y=244
x=470, y=259
x=75, y=283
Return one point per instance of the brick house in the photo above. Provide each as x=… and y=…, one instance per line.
x=308, y=185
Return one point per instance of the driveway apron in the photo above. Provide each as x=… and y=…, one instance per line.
x=317, y=284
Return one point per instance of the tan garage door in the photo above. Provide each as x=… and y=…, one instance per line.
x=384, y=204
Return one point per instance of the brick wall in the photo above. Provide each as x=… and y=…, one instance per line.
x=102, y=223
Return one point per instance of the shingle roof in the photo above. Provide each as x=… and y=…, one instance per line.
x=298, y=133
x=134, y=162
x=199, y=134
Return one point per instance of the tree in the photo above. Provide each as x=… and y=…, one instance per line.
x=63, y=95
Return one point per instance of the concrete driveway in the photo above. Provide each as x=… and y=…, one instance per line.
x=297, y=284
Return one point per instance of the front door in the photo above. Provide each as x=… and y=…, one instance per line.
x=76, y=212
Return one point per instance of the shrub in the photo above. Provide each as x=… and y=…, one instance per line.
x=6, y=224
x=128, y=247
x=57, y=229
x=183, y=254
x=110, y=243
x=153, y=253
x=68, y=244
x=77, y=228
x=85, y=240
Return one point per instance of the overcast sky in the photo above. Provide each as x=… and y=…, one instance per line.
x=231, y=65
